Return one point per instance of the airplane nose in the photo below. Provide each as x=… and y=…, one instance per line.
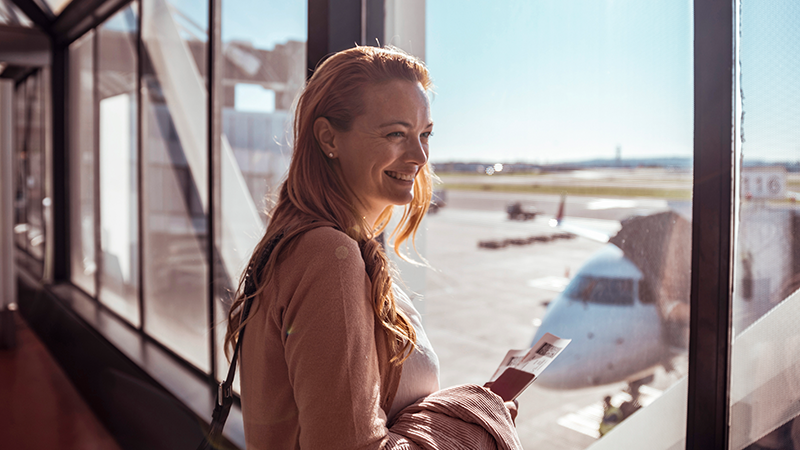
x=561, y=375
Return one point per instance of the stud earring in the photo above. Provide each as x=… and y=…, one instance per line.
x=330, y=155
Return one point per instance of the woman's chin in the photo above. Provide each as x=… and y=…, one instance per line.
x=404, y=200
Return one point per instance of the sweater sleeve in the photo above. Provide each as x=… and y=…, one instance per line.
x=329, y=341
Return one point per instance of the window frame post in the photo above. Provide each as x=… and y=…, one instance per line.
x=712, y=225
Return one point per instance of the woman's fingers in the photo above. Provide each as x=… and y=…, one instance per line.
x=512, y=408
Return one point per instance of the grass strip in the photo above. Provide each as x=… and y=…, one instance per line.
x=617, y=191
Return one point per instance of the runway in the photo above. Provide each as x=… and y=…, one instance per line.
x=576, y=206
x=479, y=303
x=660, y=178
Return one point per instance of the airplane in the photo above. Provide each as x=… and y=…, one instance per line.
x=626, y=309
x=621, y=332
x=614, y=309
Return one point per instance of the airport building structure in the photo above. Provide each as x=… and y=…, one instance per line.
x=133, y=190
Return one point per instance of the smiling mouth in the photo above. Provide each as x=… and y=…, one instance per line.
x=400, y=176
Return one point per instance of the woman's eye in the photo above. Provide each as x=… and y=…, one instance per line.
x=396, y=134
x=427, y=134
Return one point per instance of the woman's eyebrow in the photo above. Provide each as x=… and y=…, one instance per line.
x=400, y=122
x=396, y=122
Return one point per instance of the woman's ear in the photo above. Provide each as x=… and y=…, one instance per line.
x=326, y=136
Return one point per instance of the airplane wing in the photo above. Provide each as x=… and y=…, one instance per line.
x=593, y=235
x=573, y=228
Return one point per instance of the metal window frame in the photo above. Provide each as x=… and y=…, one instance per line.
x=96, y=220
x=140, y=222
x=335, y=25
x=61, y=185
x=216, y=271
x=707, y=420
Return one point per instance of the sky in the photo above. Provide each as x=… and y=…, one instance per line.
x=559, y=80
x=770, y=55
x=550, y=81
x=547, y=81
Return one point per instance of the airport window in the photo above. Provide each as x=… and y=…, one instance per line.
x=20, y=175
x=80, y=124
x=11, y=15
x=175, y=176
x=264, y=68
x=55, y=7
x=116, y=107
x=590, y=102
x=33, y=146
x=113, y=70
x=29, y=197
x=764, y=389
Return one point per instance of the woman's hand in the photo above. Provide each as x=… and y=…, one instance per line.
x=512, y=406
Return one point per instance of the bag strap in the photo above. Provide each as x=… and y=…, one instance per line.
x=225, y=390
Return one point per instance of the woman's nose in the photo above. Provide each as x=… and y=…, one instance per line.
x=417, y=151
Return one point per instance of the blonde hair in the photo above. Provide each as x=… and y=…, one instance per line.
x=312, y=195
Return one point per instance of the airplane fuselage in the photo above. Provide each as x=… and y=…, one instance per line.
x=615, y=337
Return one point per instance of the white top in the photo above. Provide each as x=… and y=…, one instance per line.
x=420, y=376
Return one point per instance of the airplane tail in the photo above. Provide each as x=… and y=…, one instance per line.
x=578, y=230
x=560, y=214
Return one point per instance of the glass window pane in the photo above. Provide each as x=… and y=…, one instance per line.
x=593, y=100
x=56, y=6
x=82, y=162
x=264, y=54
x=116, y=106
x=765, y=387
x=20, y=168
x=11, y=15
x=175, y=186
x=33, y=141
x=29, y=165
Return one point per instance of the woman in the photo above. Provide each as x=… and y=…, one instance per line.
x=333, y=351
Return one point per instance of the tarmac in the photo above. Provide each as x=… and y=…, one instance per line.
x=479, y=303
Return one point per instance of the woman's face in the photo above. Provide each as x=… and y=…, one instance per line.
x=381, y=155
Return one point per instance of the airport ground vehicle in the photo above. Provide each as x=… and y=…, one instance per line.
x=516, y=211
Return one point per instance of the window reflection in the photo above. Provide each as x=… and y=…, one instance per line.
x=29, y=165
x=175, y=178
x=33, y=146
x=10, y=14
x=55, y=6
x=264, y=68
x=20, y=168
x=765, y=391
x=117, y=153
x=80, y=123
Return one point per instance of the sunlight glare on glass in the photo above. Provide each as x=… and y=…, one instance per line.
x=254, y=98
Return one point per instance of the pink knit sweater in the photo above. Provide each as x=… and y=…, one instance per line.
x=315, y=371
